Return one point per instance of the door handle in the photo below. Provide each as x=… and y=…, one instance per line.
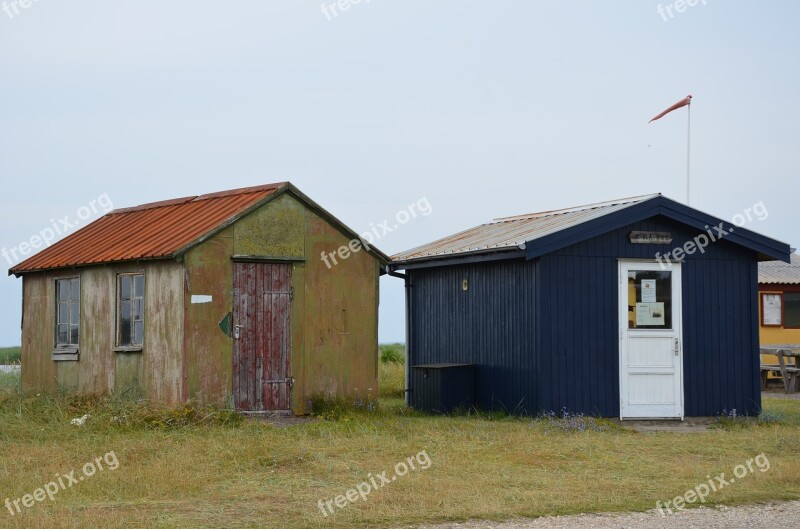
x=677, y=347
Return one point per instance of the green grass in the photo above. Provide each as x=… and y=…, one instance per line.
x=207, y=468
x=9, y=355
x=392, y=379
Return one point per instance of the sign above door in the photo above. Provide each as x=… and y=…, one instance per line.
x=650, y=237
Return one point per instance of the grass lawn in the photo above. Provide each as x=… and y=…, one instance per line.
x=190, y=468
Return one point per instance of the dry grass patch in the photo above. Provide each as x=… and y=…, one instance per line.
x=195, y=473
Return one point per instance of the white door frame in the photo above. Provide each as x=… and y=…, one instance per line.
x=665, y=365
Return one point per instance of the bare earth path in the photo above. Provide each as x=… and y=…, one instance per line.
x=783, y=515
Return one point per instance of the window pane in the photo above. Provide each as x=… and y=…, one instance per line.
x=649, y=299
x=63, y=334
x=73, y=335
x=63, y=313
x=125, y=332
x=138, y=332
x=63, y=290
x=125, y=321
x=74, y=313
x=125, y=288
x=75, y=290
x=137, y=309
x=138, y=281
x=791, y=306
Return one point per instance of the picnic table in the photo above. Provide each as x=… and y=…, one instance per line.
x=788, y=364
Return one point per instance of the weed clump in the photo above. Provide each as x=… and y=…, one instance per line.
x=336, y=408
x=565, y=421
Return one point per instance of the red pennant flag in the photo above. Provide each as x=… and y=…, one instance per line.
x=682, y=103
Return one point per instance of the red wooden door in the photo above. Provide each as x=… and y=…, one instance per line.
x=262, y=301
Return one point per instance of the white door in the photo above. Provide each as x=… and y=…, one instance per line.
x=650, y=341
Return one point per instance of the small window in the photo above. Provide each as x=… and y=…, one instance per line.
x=68, y=313
x=791, y=309
x=130, y=310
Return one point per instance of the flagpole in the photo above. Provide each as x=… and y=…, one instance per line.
x=686, y=101
x=688, y=149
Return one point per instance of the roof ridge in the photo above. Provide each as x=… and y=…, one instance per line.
x=151, y=205
x=573, y=209
x=240, y=191
x=197, y=198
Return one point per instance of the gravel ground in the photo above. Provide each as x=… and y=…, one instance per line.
x=783, y=515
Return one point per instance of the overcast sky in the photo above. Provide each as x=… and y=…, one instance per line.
x=485, y=109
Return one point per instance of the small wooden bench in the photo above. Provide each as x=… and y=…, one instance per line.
x=790, y=372
x=766, y=369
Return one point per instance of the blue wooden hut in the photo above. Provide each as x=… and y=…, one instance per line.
x=633, y=308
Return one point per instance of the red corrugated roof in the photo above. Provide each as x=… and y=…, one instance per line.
x=150, y=231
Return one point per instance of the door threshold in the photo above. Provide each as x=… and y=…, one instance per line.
x=651, y=419
x=273, y=413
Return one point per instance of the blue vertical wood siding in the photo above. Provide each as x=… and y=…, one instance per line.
x=490, y=325
x=544, y=334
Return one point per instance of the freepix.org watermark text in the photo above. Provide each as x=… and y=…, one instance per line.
x=13, y=8
x=62, y=482
x=374, y=482
x=757, y=211
x=376, y=231
x=715, y=484
x=669, y=11
x=57, y=229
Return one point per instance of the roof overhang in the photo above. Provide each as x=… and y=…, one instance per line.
x=482, y=256
x=766, y=248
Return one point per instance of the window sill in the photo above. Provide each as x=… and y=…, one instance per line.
x=66, y=354
x=128, y=349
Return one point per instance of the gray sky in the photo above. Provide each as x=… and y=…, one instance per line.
x=485, y=109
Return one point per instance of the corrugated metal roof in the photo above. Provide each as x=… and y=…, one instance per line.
x=150, y=231
x=778, y=272
x=511, y=232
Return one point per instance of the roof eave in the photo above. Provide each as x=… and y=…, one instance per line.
x=20, y=273
x=478, y=256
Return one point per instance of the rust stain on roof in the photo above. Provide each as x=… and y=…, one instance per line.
x=151, y=231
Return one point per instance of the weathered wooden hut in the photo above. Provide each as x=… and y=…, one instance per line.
x=634, y=308
x=221, y=298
